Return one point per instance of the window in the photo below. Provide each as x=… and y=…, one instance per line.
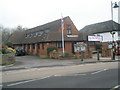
x=34, y=34
x=46, y=31
x=59, y=44
x=42, y=45
x=91, y=43
x=38, y=46
x=26, y=36
x=69, y=29
x=39, y=33
x=33, y=46
x=29, y=35
x=29, y=46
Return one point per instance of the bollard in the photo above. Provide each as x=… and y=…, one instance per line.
x=98, y=57
x=81, y=56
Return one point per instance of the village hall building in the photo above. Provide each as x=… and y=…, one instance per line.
x=36, y=40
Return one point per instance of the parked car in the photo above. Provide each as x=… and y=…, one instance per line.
x=118, y=50
x=4, y=51
x=20, y=51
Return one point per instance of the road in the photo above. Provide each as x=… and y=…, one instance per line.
x=106, y=78
x=98, y=75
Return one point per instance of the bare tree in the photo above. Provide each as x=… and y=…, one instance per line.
x=5, y=33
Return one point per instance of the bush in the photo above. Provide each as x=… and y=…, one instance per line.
x=7, y=59
x=9, y=44
x=13, y=50
x=51, y=49
x=5, y=51
x=66, y=54
x=8, y=56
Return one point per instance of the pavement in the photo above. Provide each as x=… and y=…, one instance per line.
x=27, y=62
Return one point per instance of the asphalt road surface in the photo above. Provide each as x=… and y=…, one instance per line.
x=106, y=78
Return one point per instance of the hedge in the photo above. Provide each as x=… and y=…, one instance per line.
x=50, y=49
x=7, y=59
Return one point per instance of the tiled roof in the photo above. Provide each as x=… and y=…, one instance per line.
x=49, y=33
x=99, y=28
x=17, y=37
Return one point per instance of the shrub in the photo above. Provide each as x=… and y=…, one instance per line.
x=51, y=49
x=5, y=51
x=9, y=44
x=54, y=51
x=66, y=54
x=7, y=59
x=13, y=50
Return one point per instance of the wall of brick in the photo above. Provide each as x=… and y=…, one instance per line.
x=68, y=47
x=73, y=27
x=105, y=50
x=43, y=50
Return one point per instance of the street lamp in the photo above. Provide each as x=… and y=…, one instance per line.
x=112, y=33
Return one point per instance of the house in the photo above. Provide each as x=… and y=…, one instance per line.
x=103, y=30
x=36, y=40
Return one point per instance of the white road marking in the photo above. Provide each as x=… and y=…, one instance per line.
x=99, y=71
x=57, y=75
x=1, y=85
x=118, y=86
x=69, y=75
x=26, y=81
x=80, y=74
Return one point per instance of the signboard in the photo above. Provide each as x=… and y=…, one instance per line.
x=72, y=35
x=110, y=46
x=83, y=48
x=80, y=47
x=94, y=38
x=76, y=48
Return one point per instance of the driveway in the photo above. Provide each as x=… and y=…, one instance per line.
x=26, y=62
x=35, y=62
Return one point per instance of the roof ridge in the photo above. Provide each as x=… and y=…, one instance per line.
x=101, y=22
x=47, y=23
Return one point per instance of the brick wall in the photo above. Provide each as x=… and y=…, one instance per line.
x=73, y=27
x=44, y=46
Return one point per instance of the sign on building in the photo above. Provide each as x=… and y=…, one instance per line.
x=94, y=38
x=72, y=35
x=83, y=48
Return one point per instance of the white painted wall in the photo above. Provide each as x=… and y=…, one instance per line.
x=107, y=37
x=119, y=13
x=119, y=19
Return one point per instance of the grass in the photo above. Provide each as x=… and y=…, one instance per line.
x=43, y=56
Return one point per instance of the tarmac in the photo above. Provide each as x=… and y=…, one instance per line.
x=27, y=62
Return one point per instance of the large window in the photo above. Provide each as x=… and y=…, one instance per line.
x=69, y=29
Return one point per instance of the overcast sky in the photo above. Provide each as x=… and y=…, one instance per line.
x=32, y=13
